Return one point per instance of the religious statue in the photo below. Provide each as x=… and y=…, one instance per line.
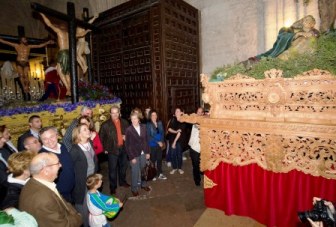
x=304, y=36
x=83, y=46
x=63, y=58
x=22, y=62
x=295, y=39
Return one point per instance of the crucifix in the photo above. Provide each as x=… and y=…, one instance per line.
x=22, y=59
x=66, y=58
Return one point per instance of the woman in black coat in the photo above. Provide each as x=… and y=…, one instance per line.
x=85, y=164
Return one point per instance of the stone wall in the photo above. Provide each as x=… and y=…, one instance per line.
x=234, y=30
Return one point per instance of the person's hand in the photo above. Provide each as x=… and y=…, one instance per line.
x=160, y=144
x=327, y=203
x=147, y=156
x=106, y=152
x=178, y=131
x=120, y=204
x=330, y=205
x=315, y=223
x=51, y=42
x=174, y=145
x=124, y=137
x=133, y=161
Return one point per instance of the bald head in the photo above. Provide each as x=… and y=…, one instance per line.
x=45, y=166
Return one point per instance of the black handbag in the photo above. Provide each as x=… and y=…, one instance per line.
x=148, y=172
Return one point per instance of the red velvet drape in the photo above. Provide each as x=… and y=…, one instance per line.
x=272, y=199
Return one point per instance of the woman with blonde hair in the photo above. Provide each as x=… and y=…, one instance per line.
x=85, y=163
x=18, y=166
x=97, y=145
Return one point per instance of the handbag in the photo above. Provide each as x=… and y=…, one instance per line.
x=148, y=172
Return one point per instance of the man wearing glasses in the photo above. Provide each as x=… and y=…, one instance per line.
x=40, y=197
x=112, y=135
x=66, y=179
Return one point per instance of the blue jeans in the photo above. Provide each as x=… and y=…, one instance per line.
x=176, y=156
x=136, y=173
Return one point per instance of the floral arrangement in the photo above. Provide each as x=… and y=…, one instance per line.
x=93, y=91
x=68, y=107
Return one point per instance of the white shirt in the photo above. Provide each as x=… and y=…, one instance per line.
x=51, y=186
x=194, y=141
x=58, y=151
x=34, y=133
x=137, y=128
x=13, y=180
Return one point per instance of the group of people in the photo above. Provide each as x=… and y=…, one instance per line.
x=57, y=182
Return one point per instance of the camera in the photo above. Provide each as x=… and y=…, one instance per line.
x=320, y=212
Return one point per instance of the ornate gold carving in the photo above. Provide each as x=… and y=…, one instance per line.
x=273, y=74
x=281, y=124
x=208, y=183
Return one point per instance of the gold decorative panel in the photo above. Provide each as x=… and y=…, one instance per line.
x=281, y=124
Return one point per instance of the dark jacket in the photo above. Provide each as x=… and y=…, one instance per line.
x=108, y=135
x=66, y=175
x=21, y=139
x=12, y=196
x=3, y=173
x=80, y=166
x=136, y=143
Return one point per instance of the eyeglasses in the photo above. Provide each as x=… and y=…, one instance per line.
x=58, y=163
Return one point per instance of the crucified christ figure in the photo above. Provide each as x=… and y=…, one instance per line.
x=22, y=62
x=63, y=59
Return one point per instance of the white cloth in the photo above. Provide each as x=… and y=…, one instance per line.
x=13, y=180
x=96, y=216
x=58, y=151
x=194, y=141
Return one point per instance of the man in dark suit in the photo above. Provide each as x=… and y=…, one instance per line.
x=112, y=135
x=35, y=124
x=40, y=198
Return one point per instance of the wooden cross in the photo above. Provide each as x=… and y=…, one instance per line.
x=70, y=18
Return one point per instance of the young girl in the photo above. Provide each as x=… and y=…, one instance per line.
x=100, y=205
